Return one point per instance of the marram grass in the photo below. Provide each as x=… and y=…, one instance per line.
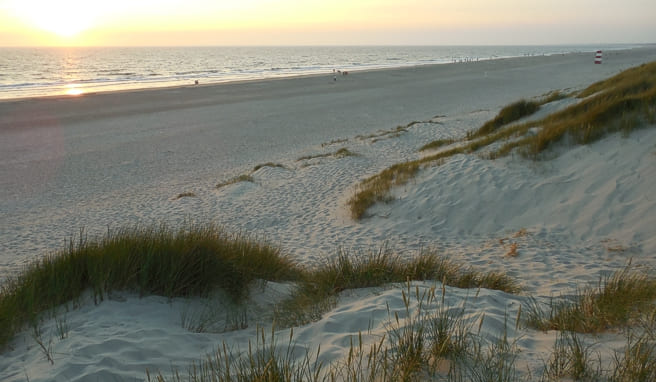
x=428, y=340
x=621, y=103
x=198, y=259
x=508, y=114
x=617, y=301
x=191, y=261
x=318, y=289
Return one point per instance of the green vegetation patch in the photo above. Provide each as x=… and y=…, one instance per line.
x=191, y=261
x=511, y=113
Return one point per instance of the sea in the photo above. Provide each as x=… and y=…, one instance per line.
x=37, y=72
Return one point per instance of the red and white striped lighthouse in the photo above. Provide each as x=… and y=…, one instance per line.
x=598, y=57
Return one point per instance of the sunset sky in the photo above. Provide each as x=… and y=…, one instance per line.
x=324, y=22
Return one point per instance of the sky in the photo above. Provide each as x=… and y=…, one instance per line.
x=324, y=22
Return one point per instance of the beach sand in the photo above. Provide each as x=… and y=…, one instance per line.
x=119, y=159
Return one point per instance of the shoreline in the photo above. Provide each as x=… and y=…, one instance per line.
x=631, y=47
x=455, y=57
x=226, y=92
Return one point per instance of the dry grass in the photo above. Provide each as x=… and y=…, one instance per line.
x=376, y=188
x=268, y=164
x=237, y=179
x=437, y=144
x=185, y=195
x=617, y=300
x=318, y=291
x=621, y=103
x=341, y=153
x=334, y=141
x=508, y=114
x=553, y=96
x=386, y=133
x=424, y=341
x=512, y=251
x=521, y=233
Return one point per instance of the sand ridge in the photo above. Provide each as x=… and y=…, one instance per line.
x=584, y=213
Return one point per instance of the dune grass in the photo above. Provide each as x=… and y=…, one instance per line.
x=268, y=164
x=436, y=144
x=248, y=177
x=617, y=300
x=187, y=194
x=317, y=291
x=376, y=188
x=341, y=153
x=191, y=261
x=621, y=103
x=387, y=134
x=237, y=179
x=571, y=358
x=198, y=259
x=429, y=340
x=432, y=338
x=511, y=113
x=425, y=340
x=404, y=354
x=638, y=361
x=265, y=360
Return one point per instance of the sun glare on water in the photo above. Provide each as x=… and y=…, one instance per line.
x=73, y=90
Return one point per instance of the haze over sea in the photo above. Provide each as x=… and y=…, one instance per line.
x=35, y=72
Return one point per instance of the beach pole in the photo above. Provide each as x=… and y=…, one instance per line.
x=598, y=57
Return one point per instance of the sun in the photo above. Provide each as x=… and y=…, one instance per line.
x=65, y=18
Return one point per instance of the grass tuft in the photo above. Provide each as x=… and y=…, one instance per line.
x=237, y=179
x=638, y=361
x=571, y=358
x=264, y=360
x=185, y=195
x=191, y=261
x=268, y=164
x=317, y=292
x=615, y=301
x=376, y=188
x=508, y=114
x=553, y=96
x=341, y=153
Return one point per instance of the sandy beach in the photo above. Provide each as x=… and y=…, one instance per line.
x=125, y=158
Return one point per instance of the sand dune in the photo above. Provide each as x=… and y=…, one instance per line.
x=123, y=158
